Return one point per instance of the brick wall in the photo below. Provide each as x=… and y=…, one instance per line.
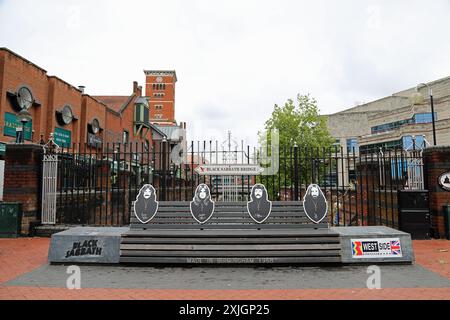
x=18, y=72
x=164, y=97
x=53, y=93
x=437, y=161
x=23, y=181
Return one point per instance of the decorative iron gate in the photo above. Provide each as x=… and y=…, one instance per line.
x=49, y=188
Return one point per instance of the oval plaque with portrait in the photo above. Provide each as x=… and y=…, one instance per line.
x=315, y=204
x=202, y=206
x=259, y=207
x=146, y=205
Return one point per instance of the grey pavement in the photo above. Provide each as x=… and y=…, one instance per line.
x=392, y=276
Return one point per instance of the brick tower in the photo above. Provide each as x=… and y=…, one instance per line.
x=160, y=89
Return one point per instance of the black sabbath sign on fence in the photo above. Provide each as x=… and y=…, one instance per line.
x=146, y=205
x=202, y=207
x=259, y=207
x=315, y=204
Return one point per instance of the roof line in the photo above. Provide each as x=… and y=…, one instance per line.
x=157, y=130
x=125, y=105
x=20, y=57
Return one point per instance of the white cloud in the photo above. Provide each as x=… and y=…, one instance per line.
x=235, y=59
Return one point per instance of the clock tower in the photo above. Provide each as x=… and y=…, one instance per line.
x=160, y=91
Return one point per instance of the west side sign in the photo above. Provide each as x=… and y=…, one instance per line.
x=229, y=170
x=376, y=248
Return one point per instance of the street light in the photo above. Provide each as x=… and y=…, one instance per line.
x=24, y=118
x=430, y=93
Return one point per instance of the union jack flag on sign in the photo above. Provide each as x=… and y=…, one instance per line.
x=396, y=249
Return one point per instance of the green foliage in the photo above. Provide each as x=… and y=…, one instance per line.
x=299, y=124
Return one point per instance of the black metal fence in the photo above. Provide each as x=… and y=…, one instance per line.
x=97, y=185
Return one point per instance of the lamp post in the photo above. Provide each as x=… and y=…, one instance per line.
x=24, y=118
x=430, y=93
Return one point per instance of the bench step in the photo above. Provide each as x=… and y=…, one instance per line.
x=181, y=253
x=230, y=247
x=230, y=260
x=230, y=237
x=168, y=241
x=293, y=232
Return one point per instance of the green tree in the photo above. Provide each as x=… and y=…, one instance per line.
x=300, y=125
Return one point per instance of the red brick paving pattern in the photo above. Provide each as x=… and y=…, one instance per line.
x=433, y=255
x=19, y=256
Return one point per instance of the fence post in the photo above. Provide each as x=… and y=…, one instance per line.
x=23, y=181
x=295, y=172
x=163, y=170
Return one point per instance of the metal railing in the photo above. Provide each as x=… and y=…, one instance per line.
x=96, y=185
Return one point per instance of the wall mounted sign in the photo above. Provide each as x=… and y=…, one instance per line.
x=146, y=205
x=12, y=122
x=259, y=207
x=202, y=207
x=376, y=248
x=315, y=204
x=94, y=141
x=228, y=170
x=63, y=138
x=444, y=181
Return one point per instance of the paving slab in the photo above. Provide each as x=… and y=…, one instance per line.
x=197, y=278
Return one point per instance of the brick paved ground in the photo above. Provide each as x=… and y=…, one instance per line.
x=19, y=256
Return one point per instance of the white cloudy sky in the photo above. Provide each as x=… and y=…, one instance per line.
x=236, y=59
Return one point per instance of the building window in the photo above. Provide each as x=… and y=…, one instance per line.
x=126, y=137
x=424, y=117
x=158, y=107
x=141, y=113
x=390, y=126
x=375, y=148
x=417, y=118
x=352, y=145
x=413, y=144
x=161, y=86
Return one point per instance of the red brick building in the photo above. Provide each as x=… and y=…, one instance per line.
x=160, y=89
x=74, y=117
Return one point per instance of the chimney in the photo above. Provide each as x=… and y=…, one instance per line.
x=140, y=91
x=81, y=88
x=135, y=86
